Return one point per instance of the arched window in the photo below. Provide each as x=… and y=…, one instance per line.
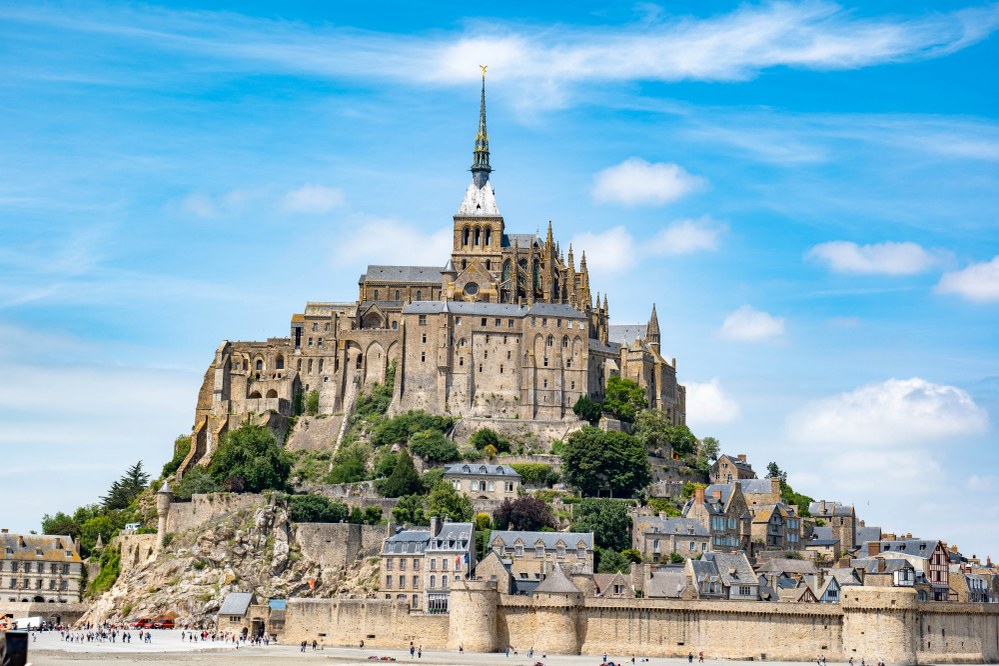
x=279, y=363
x=419, y=295
x=489, y=236
x=478, y=235
x=464, y=236
x=360, y=359
x=550, y=341
x=260, y=364
x=272, y=394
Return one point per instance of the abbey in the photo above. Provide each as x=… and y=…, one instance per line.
x=508, y=329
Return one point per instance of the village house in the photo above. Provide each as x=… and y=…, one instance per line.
x=727, y=469
x=481, y=481
x=775, y=527
x=532, y=555
x=723, y=511
x=724, y=576
x=39, y=568
x=419, y=565
x=402, y=565
x=658, y=537
x=840, y=519
x=929, y=556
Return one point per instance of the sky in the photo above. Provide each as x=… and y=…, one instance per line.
x=807, y=191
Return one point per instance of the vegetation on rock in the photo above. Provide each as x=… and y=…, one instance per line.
x=595, y=461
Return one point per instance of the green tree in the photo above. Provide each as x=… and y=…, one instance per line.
x=405, y=480
x=538, y=474
x=399, y=429
x=431, y=478
x=484, y=437
x=312, y=403
x=588, y=409
x=197, y=480
x=682, y=440
x=689, y=488
x=385, y=464
x=250, y=460
x=350, y=464
x=125, y=489
x=624, y=398
x=652, y=430
x=101, y=525
x=675, y=558
x=446, y=502
x=611, y=561
x=410, y=510
x=526, y=513
x=434, y=446
x=483, y=522
x=313, y=508
x=181, y=447
x=775, y=472
x=607, y=519
x=633, y=555
x=595, y=461
x=60, y=524
x=709, y=448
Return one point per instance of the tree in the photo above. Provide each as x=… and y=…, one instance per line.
x=775, y=472
x=399, y=429
x=483, y=522
x=607, y=519
x=611, y=561
x=101, y=525
x=197, y=480
x=385, y=464
x=409, y=510
x=60, y=524
x=181, y=447
x=633, y=555
x=484, y=437
x=537, y=474
x=709, y=448
x=526, y=514
x=405, y=480
x=350, y=464
x=787, y=492
x=434, y=446
x=312, y=403
x=624, y=398
x=313, y=508
x=652, y=428
x=250, y=460
x=446, y=502
x=125, y=489
x=682, y=440
x=595, y=461
x=588, y=409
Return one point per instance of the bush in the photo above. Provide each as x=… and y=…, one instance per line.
x=624, y=398
x=663, y=505
x=484, y=437
x=250, y=460
x=110, y=570
x=483, y=522
x=588, y=410
x=314, y=508
x=434, y=446
x=525, y=514
x=372, y=515
x=350, y=464
x=312, y=403
x=399, y=429
x=404, y=480
x=310, y=465
x=181, y=447
x=431, y=478
x=197, y=480
x=675, y=558
x=409, y=511
x=632, y=555
x=537, y=474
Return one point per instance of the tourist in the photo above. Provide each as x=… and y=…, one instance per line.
x=690, y=657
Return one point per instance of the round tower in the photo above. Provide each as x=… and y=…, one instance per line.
x=472, y=615
x=879, y=623
x=163, y=500
x=556, y=614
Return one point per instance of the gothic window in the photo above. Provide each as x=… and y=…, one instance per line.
x=478, y=235
x=489, y=240
x=537, y=276
x=260, y=364
x=279, y=364
x=489, y=264
x=376, y=294
x=506, y=271
x=360, y=359
x=464, y=236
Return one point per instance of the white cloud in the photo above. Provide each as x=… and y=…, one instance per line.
x=687, y=236
x=636, y=181
x=200, y=204
x=751, y=325
x=981, y=483
x=977, y=282
x=365, y=241
x=312, y=199
x=888, y=258
x=610, y=251
x=894, y=413
x=708, y=404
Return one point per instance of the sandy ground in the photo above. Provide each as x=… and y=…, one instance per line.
x=167, y=648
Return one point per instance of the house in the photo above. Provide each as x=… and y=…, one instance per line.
x=724, y=576
x=493, y=567
x=449, y=556
x=823, y=550
x=532, y=555
x=669, y=582
x=613, y=586
x=657, y=537
x=800, y=593
x=480, y=481
x=759, y=491
x=40, y=568
x=402, y=565
x=722, y=509
x=840, y=519
x=826, y=588
x=775, y=527
x=928, y=555
x=233, y=616
x=967, y=587
x=727, y=469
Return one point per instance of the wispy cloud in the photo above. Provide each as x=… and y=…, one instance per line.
x=747, y=324
x=638, y=182
x=977, y=282
x=364, y=241
x=312, y=199
x=888, y=258
x=709, y=404
x=616, y=249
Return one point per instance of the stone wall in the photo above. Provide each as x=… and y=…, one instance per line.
x=542, y=433
x=378, y=622
x=136, y=549
x=201, y=509
x=59, y=613
x=339, y=545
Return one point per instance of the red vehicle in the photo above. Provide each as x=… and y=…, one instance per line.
x=142, y=623
x=165, y=623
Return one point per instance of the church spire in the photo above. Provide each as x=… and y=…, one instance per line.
x=480, y=163
x=652, y=330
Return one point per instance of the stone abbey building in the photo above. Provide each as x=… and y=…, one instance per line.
x=507, y=328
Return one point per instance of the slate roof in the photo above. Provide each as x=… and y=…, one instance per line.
x=755, y=486
x=563, y=310
x=787, y=565
x=733, y=568
x=822, y=533
x=452, y=537
x=549, y=539
x=596, y=345
x=426, y=274
x=625, y=334
x=831, y=509
x=604, y=584
x=471, y=469
x=463, y=308
x=844, y=576
x=821, y=543
x=917, y=547
x=407, y=542
x=556, y=582
x=871, y=533
x=521, y=240
x=680, y=526
x=26, y=546
x=236, y=603
x=735, y=460
x=666, y=583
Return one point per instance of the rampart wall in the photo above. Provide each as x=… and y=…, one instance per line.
x=339, y=545
x=378, y=622
x=185, y=516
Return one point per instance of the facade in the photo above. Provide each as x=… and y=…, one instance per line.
x=724, y=512
x=656, y=538
x=507, y=326
x=840, y=519
x=533, y=555
x=776, y=527
x=724, y=576
x=480, y=481
x=39, y=568
x=930, y=556
x=418, y=566
x=727, y=469
x=401, y=571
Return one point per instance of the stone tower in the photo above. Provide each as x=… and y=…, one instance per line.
x=652, y=330
x=163, y=500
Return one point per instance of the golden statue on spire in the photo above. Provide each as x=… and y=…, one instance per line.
x=483, y=68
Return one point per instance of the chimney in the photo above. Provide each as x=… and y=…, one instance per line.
x=4, y=531
x=821, y=575
x=699, y=496
x=716, y=494
x=435, y=526
x=662, y=515
x=908, y=535
x=775, y=486
x=953, y=548
x=742, y=457
x=873, y=548
x=988, y=560
x=881, y=565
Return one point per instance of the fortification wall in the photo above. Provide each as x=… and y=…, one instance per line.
x=66, y=613
x=339, y=545
x=201, y=509
x=378, y=622
x=136, y=549
x=956, y=633
x=519, y=430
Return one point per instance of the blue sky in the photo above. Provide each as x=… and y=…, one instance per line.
x=808, y=191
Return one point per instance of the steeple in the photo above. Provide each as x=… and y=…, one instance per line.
x=480, y=162
x=652, y=330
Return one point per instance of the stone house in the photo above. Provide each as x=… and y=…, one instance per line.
x=450, y=556
x=927, y=555
x=727, y=469
x=233, y=615
x=724, y=576
x=968, y=587
x=402, y=558
x=776, y=527
x=532, y=555
x=657, y=537
x=840, y=519
x=722, y=509
x=669, y=582
x=613, y=586
x=827, y=588
x=495, y=568
x=482, y=481
x=39, y=568
x=758, y=492
x=823, y=550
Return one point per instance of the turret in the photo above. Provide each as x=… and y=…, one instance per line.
x=164, y=498
x=652, y=331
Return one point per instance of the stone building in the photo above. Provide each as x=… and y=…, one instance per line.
x=725, y=514
x=727, y=469
x=929, y=556
x=776, y=527
x=39, y=568
x=656, y=538
x=419, y=565
x=507, y=327
x=724, y=576
x=401, y=568
x=481, y=481
x=841, y=520
x=533, y=555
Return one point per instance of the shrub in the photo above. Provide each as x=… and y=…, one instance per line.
x=611, y=561
x=250, y=460
x=197, y=480
x=399, y=429
x=484, y=437
x=312, y=403
x=350, y=464
x=588, y=409
x=538, y=474
x=409, y=511
x=525, y=514
x=110, y=570
x=434, y=446
x=313, y=508
x=181, y=447
x=404, y=479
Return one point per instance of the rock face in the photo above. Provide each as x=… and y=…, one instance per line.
x=253, y=549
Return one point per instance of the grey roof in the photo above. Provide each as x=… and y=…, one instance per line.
x=822, y=533
x=666, y=583
x=596, y=345
x=407, y=541
x=236, y=603
x=755, y=486
x=549, y=539
x=426, y=274
x=470, y=469
x=521, y=240
x=787, y=565
x=681, y=526
x=625, y=334
x=563, y=310
x=733, y=568
x=725, y=488
x=556, y=582
x=917, y=547
x=738, y=462
x=451, y=532
x=463, y=308
x=845, y=576
x=870, y=533
x=382, y=305
x=822, y=542
x=831, y=509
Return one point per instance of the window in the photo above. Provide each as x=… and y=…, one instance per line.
x=433, y=566
x=416, y=582
x=539, y=552
x=419, y=295
x=501, y=368
x=518, y=550
x=509, y=486
x=544, y=321
x=327, y=327
x=433, y=580
x=444, y=562
x=315, y=327
x=560, y=551
x=499, y=322
x=580, y=552
x=319, y=342
x=444, y=581
x=509, y=323
x=259, y=364
x=376, y=294
x=424, y=338
x=745, y=590
x=492, y=486
x=422, y=320
x=483, y=321
x=423, y=357
x=388, y=564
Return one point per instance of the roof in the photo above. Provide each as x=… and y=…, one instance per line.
x=461, y=533
x=626, y=333
x=468, y=469
x=549, y=539
x=738, y=462
x=821, y=543
x=668, y=583
x=463, y=308
x=788, y=565
x=915, y=547
x=733, y=568
x=479, y=201
x=29, y=546
x=844, y=576
x=278, y=604
x=236, y=603
x=556, y=582
x=407, y=541
x=823, y=508
x=555, y=310
x=428, y=274
x=822, y=533
x=680, y=526
x=521, y=240
x=596, y=345
x=871, y=533
x=604, y=583
x=755, y=486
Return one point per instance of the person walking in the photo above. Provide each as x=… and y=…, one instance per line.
x=690, y=657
